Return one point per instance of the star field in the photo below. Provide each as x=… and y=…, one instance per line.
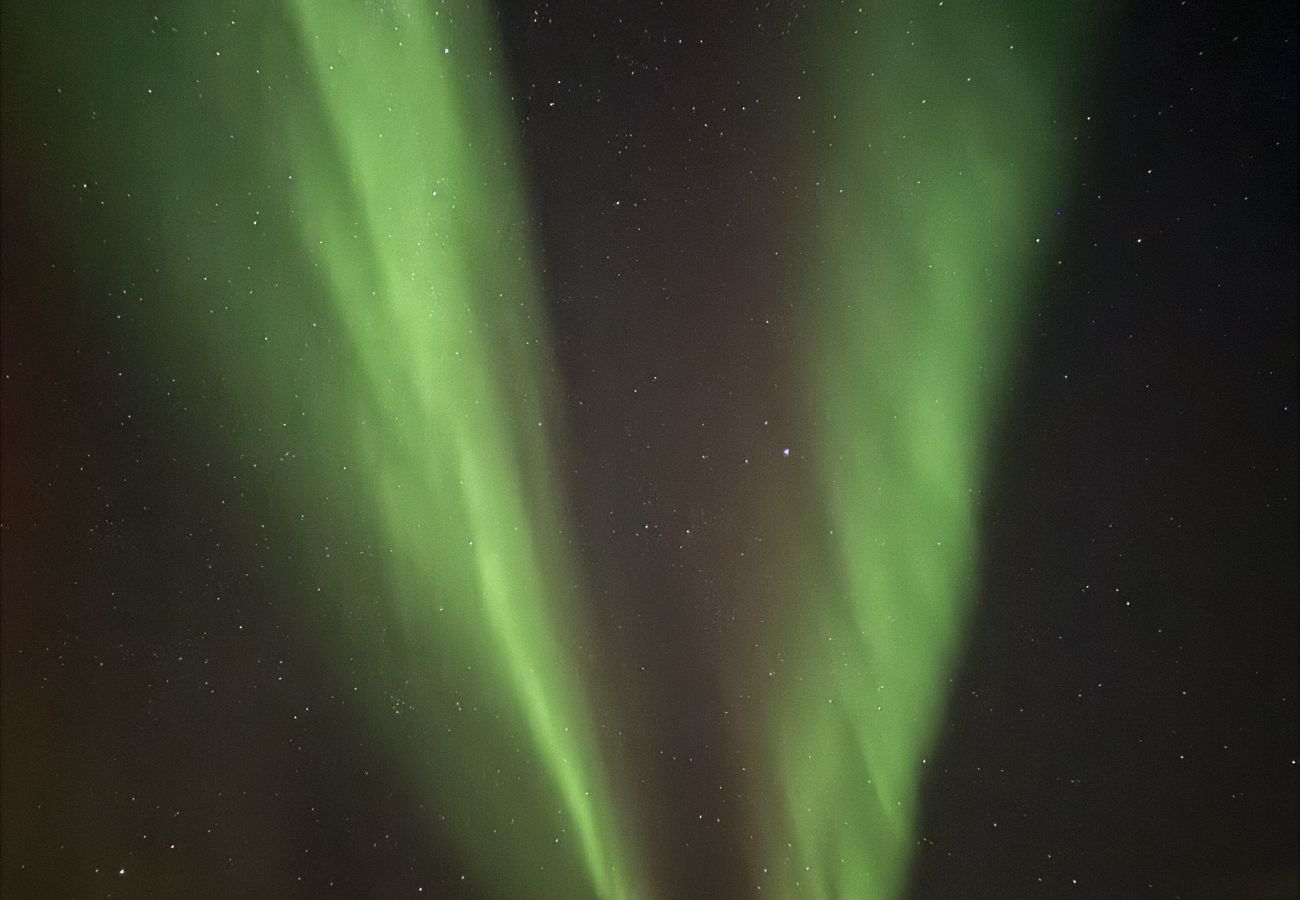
x=798, y=450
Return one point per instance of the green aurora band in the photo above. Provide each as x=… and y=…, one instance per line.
x=411, y=212
x=327, y=197
x=942, y=145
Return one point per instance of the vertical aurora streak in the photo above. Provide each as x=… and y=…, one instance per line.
x=318, y=208
x=934, y=171
x=412, y=224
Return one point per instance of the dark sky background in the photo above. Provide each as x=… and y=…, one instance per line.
x=1127, y=705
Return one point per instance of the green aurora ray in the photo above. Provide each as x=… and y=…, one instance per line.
x=942, y=143
x=414, y=224
x=318, y=208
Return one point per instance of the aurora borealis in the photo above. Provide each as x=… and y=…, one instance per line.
x=451, y=365
x=797, y=451
x=919, y=298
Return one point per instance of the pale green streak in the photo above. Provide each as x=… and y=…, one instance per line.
x=944, y=142
x=371, y=357
x=413, y=215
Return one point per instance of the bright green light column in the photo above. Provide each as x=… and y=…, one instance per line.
x=940, y=149
x=412, y=214
x=305, y=219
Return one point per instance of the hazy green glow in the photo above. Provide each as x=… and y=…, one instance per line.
x=414, y=223
x=940, y=154
x=307, y=218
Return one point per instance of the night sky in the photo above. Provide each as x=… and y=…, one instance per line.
x=650, y=451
